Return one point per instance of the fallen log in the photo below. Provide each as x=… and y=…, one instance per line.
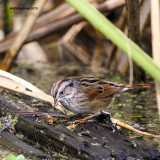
x=93, y=140
x=11, y=142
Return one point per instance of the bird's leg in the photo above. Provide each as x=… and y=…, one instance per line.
x=105, y=116
x=91, y=116
x=87, y=119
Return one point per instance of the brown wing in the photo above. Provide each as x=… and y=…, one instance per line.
x=96, y=88
x=109, y=90
x=105, y=92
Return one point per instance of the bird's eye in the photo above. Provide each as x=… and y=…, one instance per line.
x=61, y=92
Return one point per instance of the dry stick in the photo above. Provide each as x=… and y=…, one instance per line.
x=120, y=23
x=67, y=41
x=155, y=23
x=21, y=81
x=50, y=17
x=133, y=23
x=50, y=28
x=41, y=114
x=17, y=87
x=122, y=58
x=96, y=62
x=58, y=13
x=136, y=27
x=22, y=36
x=121, y=124
x=144, y=17
x=66, y=22
x=132, y=10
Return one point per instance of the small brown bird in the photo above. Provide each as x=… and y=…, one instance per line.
x=88, y=95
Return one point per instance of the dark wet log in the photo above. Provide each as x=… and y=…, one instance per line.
x=11, y=142
x=94, y=140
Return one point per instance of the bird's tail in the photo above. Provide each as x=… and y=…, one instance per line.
x=137, y=86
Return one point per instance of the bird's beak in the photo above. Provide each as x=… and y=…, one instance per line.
x=55, y=102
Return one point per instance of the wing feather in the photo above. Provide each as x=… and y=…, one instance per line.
x=96, y=88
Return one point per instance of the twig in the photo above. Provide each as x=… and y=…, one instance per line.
x=122, y=59
x=50, y=28
x=121, y=124
x=144, y=15
x=96, y=61
x=133, y=24
x=112, y=49
x=155, y=23
x=56, y=14
x=21, y=81
x=11, y=85
x=67, y=41
x=41, y=114
x=22, y=36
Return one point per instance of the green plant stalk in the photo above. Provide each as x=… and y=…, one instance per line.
x=116, y=36
x=8, y=20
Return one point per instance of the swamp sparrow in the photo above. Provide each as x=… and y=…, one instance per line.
x=87, y=95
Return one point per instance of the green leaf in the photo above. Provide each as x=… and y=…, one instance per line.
x=10, y=157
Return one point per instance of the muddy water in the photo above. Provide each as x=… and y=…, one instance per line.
x=135, y=107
